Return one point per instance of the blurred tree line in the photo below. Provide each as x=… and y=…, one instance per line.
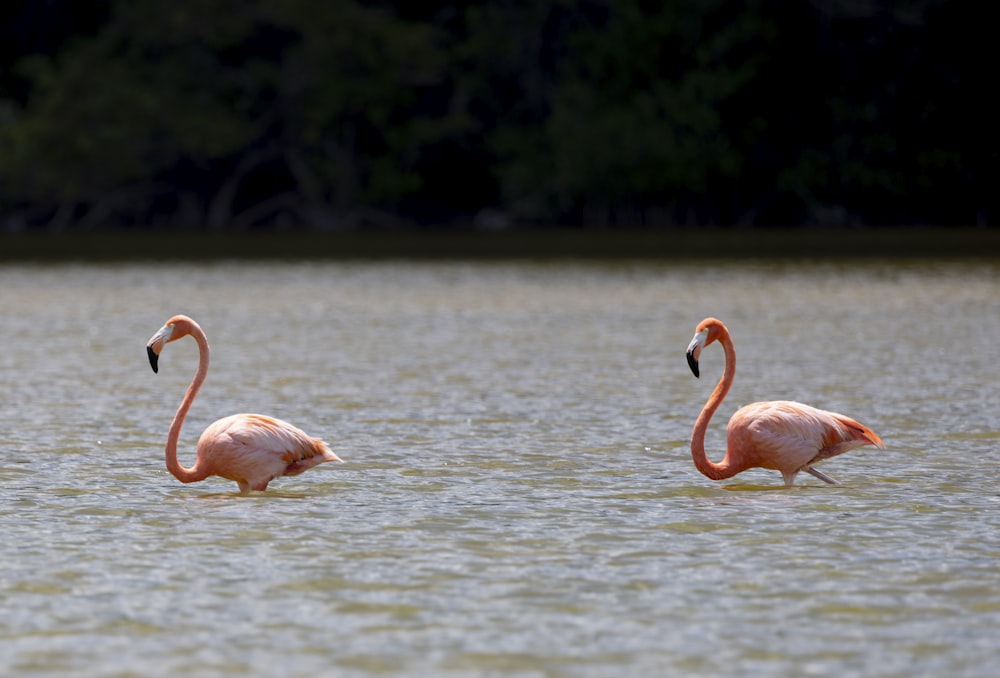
x=336, y=114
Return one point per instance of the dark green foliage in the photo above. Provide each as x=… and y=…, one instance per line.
x=332, y=115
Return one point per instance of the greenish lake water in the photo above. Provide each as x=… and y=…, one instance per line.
x=518, y=496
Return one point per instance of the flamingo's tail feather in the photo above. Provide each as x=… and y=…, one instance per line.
x=859, y=431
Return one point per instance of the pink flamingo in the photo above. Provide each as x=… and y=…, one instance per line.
x=778, y=434
x=252, y=449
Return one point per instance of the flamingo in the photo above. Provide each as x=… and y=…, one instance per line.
x=252, y=449
x=779, y=434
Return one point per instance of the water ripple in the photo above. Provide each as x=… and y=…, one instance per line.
x=517, y=496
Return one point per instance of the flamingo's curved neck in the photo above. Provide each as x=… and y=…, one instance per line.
x=723, y=469
x=196, y=472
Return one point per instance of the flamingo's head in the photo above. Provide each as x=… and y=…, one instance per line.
x=708, y=331
x=175, y=328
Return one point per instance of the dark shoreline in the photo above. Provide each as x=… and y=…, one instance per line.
x=540, y=244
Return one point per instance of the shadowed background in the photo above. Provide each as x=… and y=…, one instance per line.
x=298, y=115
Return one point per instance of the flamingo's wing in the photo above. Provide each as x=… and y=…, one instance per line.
x=276, y=437
x=778, y=436
x=253, y=449
x=789, y=436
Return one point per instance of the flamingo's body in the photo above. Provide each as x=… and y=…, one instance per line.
x=251, y=449
x=780, y=434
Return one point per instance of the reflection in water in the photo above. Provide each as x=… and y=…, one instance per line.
x=518, y=496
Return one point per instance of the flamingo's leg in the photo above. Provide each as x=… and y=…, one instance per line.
x=819, y=474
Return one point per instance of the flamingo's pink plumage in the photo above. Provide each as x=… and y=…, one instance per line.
x=780, y=434
x=251, y=449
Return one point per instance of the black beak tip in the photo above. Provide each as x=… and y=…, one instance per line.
x=693, y=364
x=153, y=359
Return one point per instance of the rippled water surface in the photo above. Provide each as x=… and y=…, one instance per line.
x=518, y=496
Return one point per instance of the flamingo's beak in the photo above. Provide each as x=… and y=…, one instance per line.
x=153, y=358
x=694, y=351
x=155, y=345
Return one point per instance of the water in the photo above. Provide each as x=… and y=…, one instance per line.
x=518, y=496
